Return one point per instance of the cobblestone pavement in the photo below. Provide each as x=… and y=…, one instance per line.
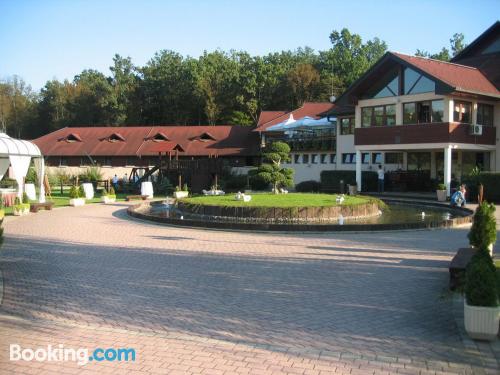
x=210, y=302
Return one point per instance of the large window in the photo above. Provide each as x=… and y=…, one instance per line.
x=393, y=158
x=365, y=158
x=485, y=114
x=333, y=158
x=376, y=158
x=416, y=83
x=462, y=112
x=423, y=112
x=383, y=115
x=387, y=85
x=419, y=161
x=347, y=126
x=323, y=159
x=314, y=158
x=305, y=159
x=348, y=158
x=296, y=158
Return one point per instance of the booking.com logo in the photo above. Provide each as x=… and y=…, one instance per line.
x=80, y=355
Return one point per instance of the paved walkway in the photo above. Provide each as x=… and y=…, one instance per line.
x=195, y=301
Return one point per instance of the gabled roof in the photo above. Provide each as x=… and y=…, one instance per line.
x=461, y=78
x=311, y=109
x=449, y=77
x=266, y=116
x=139, y=140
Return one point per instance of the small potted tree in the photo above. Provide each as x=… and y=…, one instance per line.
x=441, y=192
x=481, y=312
x=483, y=232
x=76, y=197
x=108, y=197
x=20, y=208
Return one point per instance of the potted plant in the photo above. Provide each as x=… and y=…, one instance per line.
x=20, y=208
x=108, y=197
x=181, y=193
x=481, y=312
x=76, y=196
x=441, y=192
x=483, y=233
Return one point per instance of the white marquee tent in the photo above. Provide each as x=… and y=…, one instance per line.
x=17, y=154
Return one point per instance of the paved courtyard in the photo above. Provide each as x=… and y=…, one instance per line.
x=209, y=302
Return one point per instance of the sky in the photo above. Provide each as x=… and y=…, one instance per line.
x=46, y=39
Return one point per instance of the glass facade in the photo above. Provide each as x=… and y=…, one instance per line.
x=462, y=112
x=416, y=83
x=383, y=115
x=423, y=112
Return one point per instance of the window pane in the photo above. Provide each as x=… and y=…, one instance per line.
x=462, y=112
x=394, y=158
x=323, y=158
x=345, y=126
x=378, y=113
x=485, y=114
x=353, y=158
x=437, y=110
x=305, y=158
x=411, y=77
x=409, y=114
x=424, y=84
x=390, y=115
x=424, y=112
x=366, y=114
x=333, y=158
x=365, y=158
x=376, y=158
x=314, y=158
x=297, y=158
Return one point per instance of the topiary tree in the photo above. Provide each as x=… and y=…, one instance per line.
x=272, y=172
x=74, y=192
x=25, y=197
x=483, y=232
x=81, y=192
x=481, y=284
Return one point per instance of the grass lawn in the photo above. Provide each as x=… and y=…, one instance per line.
x=278, y=200
x=61, y=200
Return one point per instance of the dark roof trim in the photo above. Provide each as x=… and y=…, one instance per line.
x=462, y=54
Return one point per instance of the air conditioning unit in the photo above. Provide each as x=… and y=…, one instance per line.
x=476, y=129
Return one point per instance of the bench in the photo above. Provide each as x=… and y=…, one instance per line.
x=136, y=197
x=35, y=207
x=458, y=265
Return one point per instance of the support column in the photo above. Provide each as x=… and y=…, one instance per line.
x=358, y=169
x=447, y=169
x=433, y=164
x=405, y=161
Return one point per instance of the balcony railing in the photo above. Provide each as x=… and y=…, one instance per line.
x=446, y=132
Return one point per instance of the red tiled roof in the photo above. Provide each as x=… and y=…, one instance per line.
x=461, y=77
x=228, y=140
x=266, y=116
x=310, y=109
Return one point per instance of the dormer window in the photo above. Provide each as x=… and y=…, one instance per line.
x=178, y=148
x=207, y=137
x=116, y=137
x=160, y=137
x=72, y=137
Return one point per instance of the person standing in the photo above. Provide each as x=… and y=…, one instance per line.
x=380, y=173
x=115, y=181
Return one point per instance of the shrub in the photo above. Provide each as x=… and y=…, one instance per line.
x=483, y=230
x=257, y=182
x=163, y=186
x=330, y=180
x=91, y=174
x=25, y=197
x=185, y=187
x=483, y=254
x=7, y=183
x=31, y=177
x=2, y=203
x=17, y=201
x=104, y=193
x=235, y=182
x=74, y=192
x=309, y=186
x=81, y=192
x=481, y=284
x=441, y=187
x=111, y=191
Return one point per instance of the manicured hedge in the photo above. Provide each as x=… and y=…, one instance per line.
x=330, y=180
x=491, y=183
x=309, y=186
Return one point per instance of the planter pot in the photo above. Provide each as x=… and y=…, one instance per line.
x=181, y=194
x=481, y=323
x=108, y=199
x=21, y=210
x=75, y=202
x=441, y=195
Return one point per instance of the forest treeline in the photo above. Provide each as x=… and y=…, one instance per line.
x=217, y=88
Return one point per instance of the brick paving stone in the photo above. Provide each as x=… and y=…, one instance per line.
x=212, y=302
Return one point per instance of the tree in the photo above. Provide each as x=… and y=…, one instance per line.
x=457, y=44
x=304, y=83
x=124, y=82
x=272, y=172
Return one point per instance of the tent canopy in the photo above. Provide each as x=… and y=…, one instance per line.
x=10, y=146
x=17, y=154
